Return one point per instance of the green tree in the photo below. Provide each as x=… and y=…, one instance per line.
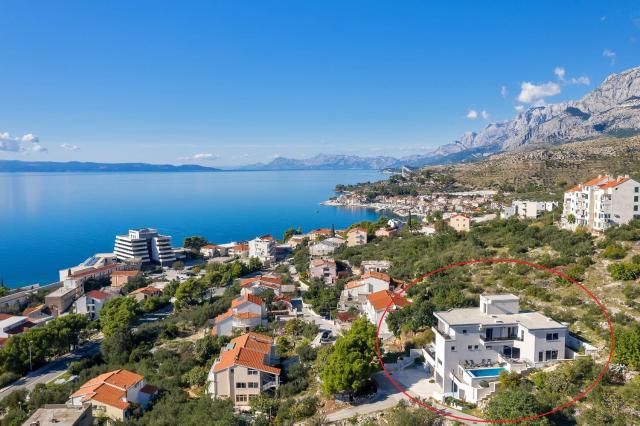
x=515, y=403
x=353, y=359
x=195, y=243
x=627, y=349
x=118, y=314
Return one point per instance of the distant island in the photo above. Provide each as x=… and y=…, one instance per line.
x=76, y=166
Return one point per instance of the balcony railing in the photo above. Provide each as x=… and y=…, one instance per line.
x=500, y=338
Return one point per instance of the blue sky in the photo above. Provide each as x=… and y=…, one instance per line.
x=235, y=82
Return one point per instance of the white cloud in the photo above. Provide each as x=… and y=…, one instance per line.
x=485, y=114
x=608, y=53
x=535, y=93
x=583, y=80
x=503, y=91
x=25, y=144
x=472, y=114
x=561, y=73
x=69, y=147
x=519, y=108
x=201, y=156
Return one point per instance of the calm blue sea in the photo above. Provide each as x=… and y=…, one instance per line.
x=50, y=221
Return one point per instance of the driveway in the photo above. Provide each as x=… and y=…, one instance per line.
x=413, y=379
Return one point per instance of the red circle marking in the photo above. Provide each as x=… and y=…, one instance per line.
x=521, y=262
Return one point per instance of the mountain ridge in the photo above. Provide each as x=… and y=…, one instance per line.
x=79, y=166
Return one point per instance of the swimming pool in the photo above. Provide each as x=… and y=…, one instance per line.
x=486, y=372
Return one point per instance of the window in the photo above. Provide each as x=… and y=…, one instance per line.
x=635, y=208
x=552, y=336
x=253, y=385
x=241, y=385
x=251, y=372
x=635, y=199
x=554, y=354
x=241, y=398
x=469, y=348
x=464, y=330
x=489, y=347
x=540, y=356
x=453, y=348
x=475, y=348
x=637, y=189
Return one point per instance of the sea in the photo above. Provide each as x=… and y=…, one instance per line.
x=51, y=221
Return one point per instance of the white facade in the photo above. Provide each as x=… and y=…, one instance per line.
x=366, y=285
x=601, y=203
x=528, y=209
x=263, y=248
x=473, y=345
x=326, y=247
x=145, y=244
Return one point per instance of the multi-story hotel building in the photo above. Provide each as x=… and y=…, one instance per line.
x=601, y=203
x=145, y=244
x=474, y=345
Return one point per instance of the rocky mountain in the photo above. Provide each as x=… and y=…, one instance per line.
x=612, y=109
x=326, y=162
x=75, y=166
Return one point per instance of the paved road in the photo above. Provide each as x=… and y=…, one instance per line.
x=52, y=370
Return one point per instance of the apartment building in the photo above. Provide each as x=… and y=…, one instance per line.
x=600, y=203
x=326, y=247
x=145, y=244
x=246, y=312
x=368, y=283
x=244, y=370
x=112, y=394
x=460, y=222
x=94, y=262
x=264, y=249
x=474, y=345
x=357, y=237
x=377, y=302
x=527, y=209
x=121, y=278
x=212, y=250
x=320, y=233
x=323, y=269
x=59, y=300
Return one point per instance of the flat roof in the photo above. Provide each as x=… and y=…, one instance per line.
x=503, y=297
x=58, y=415
x=472, y=316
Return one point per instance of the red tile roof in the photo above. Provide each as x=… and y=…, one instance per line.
x=150, y=291
x=125, y=273
x=92, y=271
x=381, y=299
x=596, y=180
x=246, y=298
x=97, y=294
x=4, y=316
x=109, y=388
x=614, y=183
x=249, y=350
x=378, y=275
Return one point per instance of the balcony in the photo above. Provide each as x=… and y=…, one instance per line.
x=500, y=339
x=442, y=334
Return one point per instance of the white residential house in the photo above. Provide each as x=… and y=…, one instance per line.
x=367, y=266
x=368, y=283
x=211, y=250
x=323, y=269
x=92, y=302
x=326, y=247
x=526, y=209
x=244, y=370
x=145, y=244
x=263, y=248
x=256, y=285
x=377, y=302
x=474, y=345
x=246, y=312
x=601, y=203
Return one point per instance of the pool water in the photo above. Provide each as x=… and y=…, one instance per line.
x=486, y=372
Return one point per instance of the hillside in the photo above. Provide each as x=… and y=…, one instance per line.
x=549, y=167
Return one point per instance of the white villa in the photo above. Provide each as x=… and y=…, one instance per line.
x=246, y=312
x=527, y=209
x=326, y=246
x=601, y=203
x=474, y=345
x=368, y=283
x=263, y=248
